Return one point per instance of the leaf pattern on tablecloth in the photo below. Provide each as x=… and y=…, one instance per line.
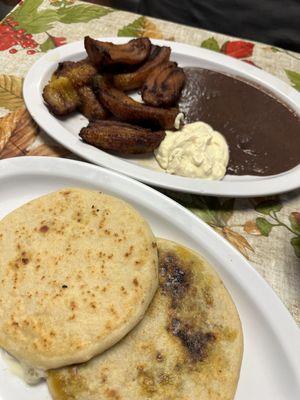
x=238, y=48
x=294, y=77
x=234, y=48
x=268, y=208
x=251, y=228
x=217, y=213
x=211, y=44
x=20, y=132
x=17, y=30
x=11, y=92
x=142, y=26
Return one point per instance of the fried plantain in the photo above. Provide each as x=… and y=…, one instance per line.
x=80, y=73
x=61, y=96
x=90, y=106
x=104, y=54
x=126, y=109
x=134, y=80
x=164, y=85
x=121, y=138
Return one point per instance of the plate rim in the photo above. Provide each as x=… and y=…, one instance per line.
x=247, y=278
x=260, y=186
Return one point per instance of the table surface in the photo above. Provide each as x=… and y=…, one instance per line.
x=266, y=230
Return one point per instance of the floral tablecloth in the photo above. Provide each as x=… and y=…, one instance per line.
x=266, y=230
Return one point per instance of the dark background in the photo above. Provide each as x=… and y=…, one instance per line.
x=276, y=22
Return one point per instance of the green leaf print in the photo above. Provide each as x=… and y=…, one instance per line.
x=267, y=206
x=38, y=22
x=263, y=226
x=294, y=77
x=295, y=242
x=29, y=7
x=34, y=21
x=81, y=13
x=211, y=44
x=47, y=45
x=135, y=28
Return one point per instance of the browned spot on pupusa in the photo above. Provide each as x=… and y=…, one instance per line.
x=112, y=394
x=175, y=279
x=135, y=282
x=195, y=341
x=151, y=381
x=44, y=228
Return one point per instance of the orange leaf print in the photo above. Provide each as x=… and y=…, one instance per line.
x=11, y=92
x=251, y=228
x=22, y=133
x=238, y=241
x=7, y=125
x=151, y=30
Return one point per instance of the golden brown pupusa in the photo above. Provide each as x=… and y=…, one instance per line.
x=188, y=346
x=77, y=272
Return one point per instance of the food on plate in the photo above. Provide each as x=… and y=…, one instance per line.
x=90, y=106
x=80, y=73
x=61, y=93
x=61, y=96
x=128, y=110
x=196, y=151
x=163, y=86
x=79, y=86
x=78, y=271
x=135, y=79
x=103, y=54
x=258, y=127
x=189, y=345
x=121, y=137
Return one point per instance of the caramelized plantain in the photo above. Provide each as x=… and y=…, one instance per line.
x=80, y=73
x=164, y=85
x=104, y=54
x=126, y=109
x=134, y=80
x=121, y=138
x=61, y=96
x=90, y=107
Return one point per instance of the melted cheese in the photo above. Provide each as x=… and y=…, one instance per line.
x=28, y=374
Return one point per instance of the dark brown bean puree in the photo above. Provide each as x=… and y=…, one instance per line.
x=263, y=134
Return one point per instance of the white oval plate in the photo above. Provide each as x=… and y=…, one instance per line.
x=271, y=363
x=66, y=131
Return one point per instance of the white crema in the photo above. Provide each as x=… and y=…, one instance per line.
x=196, y=151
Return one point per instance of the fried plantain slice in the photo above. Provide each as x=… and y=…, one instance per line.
x=61, y=96
x=90, y=106
x=126, y=109
x=80, y=73
x=134, y=80
x=121, y=138
x=164, y=85
x=105, y=53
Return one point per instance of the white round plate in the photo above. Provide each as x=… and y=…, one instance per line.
x=66, y=131
x=271, y=363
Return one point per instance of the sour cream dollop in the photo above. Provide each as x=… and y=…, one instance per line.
x=195, y=151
